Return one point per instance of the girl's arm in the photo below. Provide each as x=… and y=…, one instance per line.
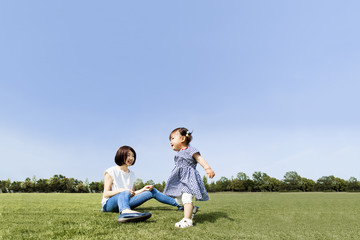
x=108, y=193
x=204, y=164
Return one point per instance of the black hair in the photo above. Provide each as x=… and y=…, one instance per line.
x=183, y=132
x=121, y=155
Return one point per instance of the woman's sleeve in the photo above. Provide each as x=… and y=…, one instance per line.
x=110, y=171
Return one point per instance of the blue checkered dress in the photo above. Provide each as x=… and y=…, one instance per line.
x=185, y=178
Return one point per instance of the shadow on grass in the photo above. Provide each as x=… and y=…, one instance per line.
x=211, y=217
x=148, y=209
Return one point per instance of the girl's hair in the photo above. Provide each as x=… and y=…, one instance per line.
x=122, y=153
x=183, y=132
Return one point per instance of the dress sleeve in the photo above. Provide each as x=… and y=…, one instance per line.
x=192, y=151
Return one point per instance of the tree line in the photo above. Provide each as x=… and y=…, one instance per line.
x=260, y=182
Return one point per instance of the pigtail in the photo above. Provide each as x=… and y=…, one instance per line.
x=188, y=137
x=188, y=133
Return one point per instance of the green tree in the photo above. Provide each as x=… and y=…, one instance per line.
x=353, y=184
x=261, y=182
x=159, y=187
x=292, y=181
x=27, y=186
x=42, y=185
x=81, y=188
x=150, y=182
x=212, y=187
x=94, y=187
x=139, y=184
x=306, y=185
x=15, y=186
x=237, y=185
x=5, y=185
x=274, y=184
x=70, y=185
x=242, y=176
x=326, y=183
x=340, y=184
x=57, y=184
x=243, y=182
x=163, y=185
x=223, y=184
x=205, y=181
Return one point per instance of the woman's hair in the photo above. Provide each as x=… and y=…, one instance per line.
x=183, y=132
x=121, y=155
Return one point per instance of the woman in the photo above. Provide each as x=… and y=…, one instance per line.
x=119, y=191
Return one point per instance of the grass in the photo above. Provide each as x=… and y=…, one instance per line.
x=225, y=216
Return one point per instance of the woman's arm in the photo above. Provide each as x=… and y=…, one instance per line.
x=108, y=193
x=146, y=188
x=204, y=164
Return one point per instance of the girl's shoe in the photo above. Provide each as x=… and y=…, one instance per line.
x=184, y=223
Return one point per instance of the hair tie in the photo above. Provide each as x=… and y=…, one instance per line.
x=188, y=133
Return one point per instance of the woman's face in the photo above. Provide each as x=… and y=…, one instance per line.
x=177, y=142
x=130, y=158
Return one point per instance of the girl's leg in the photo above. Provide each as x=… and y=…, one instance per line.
x=186, y=198
x=188, y=206
x=139, y=199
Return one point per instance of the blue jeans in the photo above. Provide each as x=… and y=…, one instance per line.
x=124, y=200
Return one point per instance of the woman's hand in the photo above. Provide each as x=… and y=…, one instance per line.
x=148, y=188
x=132, y=193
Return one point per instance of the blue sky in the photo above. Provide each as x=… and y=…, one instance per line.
x=267, y=86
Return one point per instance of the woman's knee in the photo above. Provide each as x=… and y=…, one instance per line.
x=125, y=193
x=154, y=191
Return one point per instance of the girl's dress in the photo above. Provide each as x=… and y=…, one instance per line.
x=185, y=178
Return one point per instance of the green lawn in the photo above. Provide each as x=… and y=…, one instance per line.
x=225, y=216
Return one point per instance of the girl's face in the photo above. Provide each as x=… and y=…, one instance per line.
x=177, y=142
x=130, y=158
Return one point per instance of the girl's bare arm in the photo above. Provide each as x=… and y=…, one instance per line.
x=209, y=172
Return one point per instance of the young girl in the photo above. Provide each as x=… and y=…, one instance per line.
x=185, y=182
x=119, y=191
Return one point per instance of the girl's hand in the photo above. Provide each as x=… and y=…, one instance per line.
x=210, y=172
x=148, y=187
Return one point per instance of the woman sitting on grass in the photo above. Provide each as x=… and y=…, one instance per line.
x=119, y=191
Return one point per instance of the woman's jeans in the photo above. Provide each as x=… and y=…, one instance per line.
x=124, y=200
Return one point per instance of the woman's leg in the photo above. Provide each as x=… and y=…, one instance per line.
x=139, y=199
x=112, y=204
x=118, y=202
x=123, y=201
x=159, y=196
